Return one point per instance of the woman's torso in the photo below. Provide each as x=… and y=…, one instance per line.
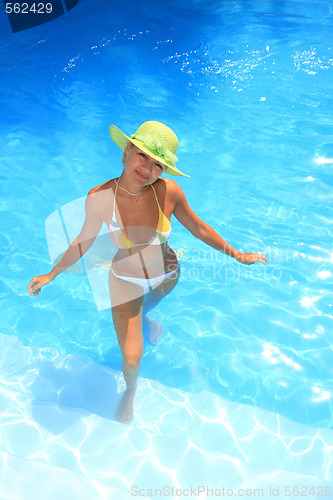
x=133, y=222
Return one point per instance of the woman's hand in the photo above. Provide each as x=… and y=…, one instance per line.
x=37, y=282
x=251, y=258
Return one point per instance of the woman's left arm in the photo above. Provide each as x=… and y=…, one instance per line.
x=204, y=232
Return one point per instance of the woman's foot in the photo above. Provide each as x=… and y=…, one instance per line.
x=152, y=329
x=125, y=411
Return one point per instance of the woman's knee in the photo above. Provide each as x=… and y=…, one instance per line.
x=132, y=359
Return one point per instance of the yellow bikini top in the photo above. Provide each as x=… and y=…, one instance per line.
x=161, y=235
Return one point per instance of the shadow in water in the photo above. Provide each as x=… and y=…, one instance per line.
x=63, y=395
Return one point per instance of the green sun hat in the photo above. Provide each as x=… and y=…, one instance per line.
x=156, y=140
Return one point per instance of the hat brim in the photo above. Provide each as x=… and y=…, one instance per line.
x=122, y=140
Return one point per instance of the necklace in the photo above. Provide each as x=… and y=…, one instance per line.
x=132, y=194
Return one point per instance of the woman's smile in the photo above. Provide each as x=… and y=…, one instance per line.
x=141, y=175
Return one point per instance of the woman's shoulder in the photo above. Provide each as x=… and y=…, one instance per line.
x=171, y=188
x=99, y=197
x=169, y=185
x=102, y=187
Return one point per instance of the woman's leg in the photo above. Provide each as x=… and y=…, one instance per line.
x=153, y=329
x=128, y=326
x=129, y=309
x=127, y=319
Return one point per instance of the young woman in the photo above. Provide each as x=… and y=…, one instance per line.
x=137, y=208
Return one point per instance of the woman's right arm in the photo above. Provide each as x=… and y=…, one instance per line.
x=77, y=248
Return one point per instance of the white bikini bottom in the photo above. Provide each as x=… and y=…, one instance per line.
x=147, y=284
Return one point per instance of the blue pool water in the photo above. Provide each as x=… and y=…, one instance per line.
x=247, y=87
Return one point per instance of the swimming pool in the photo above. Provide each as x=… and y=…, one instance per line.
x=242, y=380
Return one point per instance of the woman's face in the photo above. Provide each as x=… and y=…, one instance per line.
x=141, y=168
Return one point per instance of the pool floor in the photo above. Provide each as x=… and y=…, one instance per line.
x=58, y=423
